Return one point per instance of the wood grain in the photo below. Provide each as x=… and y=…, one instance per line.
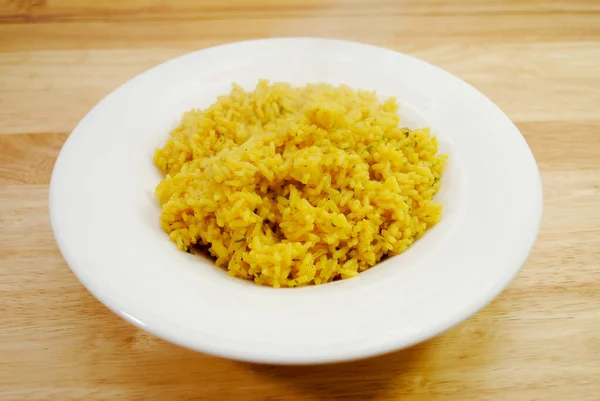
x=537, y=59
x=137, y=10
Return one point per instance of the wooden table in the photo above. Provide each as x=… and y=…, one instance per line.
x=538, y=60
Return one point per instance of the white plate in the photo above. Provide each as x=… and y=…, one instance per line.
x=105, y=216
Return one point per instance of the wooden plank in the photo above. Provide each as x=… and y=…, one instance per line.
x=138, y=10
x=401, y=31
x=28, y=159
x=566, y=146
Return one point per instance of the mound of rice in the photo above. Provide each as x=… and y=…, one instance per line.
x=294, y=186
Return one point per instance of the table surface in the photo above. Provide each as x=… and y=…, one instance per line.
x=538, y=60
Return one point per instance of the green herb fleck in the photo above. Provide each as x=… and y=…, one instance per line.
x=295, y=260
x=240, y=240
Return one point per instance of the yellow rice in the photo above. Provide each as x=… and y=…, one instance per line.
x=294, y=186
